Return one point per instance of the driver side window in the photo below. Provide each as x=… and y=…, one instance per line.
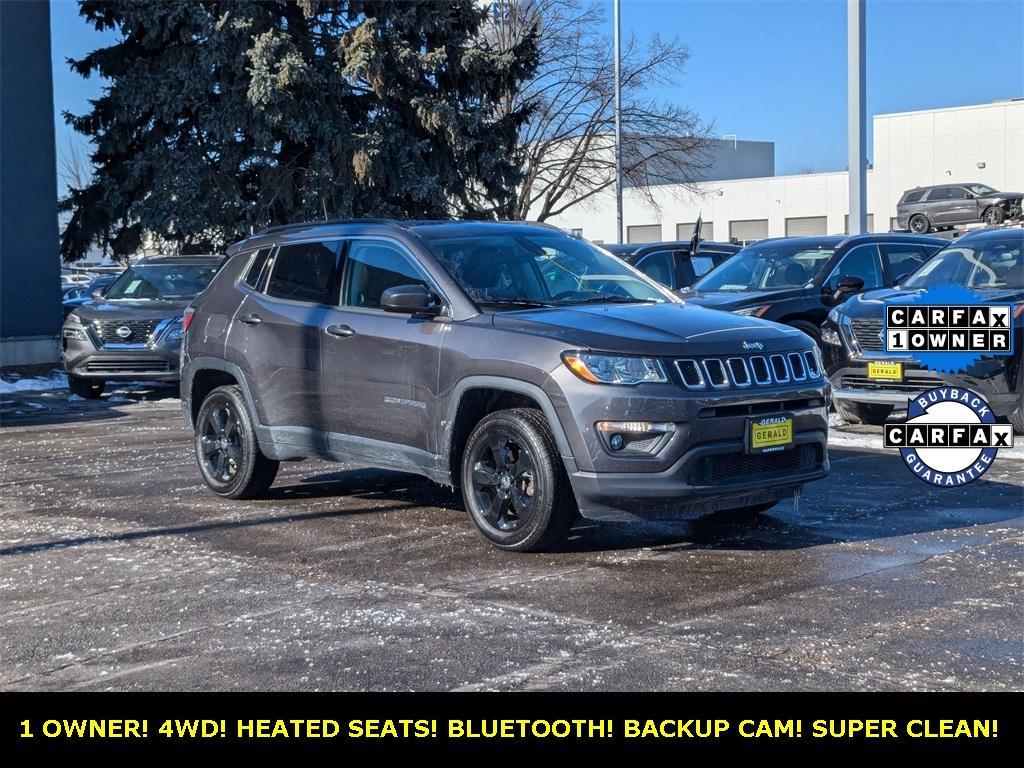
x=371, y=267
x=863, y=262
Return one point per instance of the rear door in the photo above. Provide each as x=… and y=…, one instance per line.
x=380, y=368
x=937, y=205
x=276, y=333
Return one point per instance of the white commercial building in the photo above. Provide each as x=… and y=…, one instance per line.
x=979, y=143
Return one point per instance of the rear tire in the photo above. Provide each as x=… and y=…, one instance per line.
x=1017, y=415
x=227, y=449
x=514, y=484
x=994, y=216
x=90, y=389
x=919, y=224
x=863, y=413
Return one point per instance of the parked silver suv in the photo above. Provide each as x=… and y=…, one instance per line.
x=527, y=366
x=926, y=208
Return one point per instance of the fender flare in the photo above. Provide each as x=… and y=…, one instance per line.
x=214, y=364
x=509, y=385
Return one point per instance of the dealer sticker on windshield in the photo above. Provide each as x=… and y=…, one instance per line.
x=771, y=433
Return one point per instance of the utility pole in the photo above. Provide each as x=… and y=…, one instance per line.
x=856, y=111
x=618, y=122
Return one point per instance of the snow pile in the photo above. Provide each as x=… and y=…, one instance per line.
x=55, y=380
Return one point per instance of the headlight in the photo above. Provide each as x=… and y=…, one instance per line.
x=74, y=333
x=752, y=311
x=829, y=336
x=615, y=369
x=834, y=315
x=174, y=331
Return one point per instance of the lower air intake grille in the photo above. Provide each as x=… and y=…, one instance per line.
x=135, y=365
x=723, y=468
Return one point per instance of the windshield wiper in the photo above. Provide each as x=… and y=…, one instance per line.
x=607, y=298
x=514, y=303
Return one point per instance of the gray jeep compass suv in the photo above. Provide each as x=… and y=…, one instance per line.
x=530, y=368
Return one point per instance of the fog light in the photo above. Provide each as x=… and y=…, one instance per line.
x=638, y=437
x=830, y=337
x=74, y=333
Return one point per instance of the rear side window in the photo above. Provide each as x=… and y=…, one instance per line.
x=305, y=272
x=913, y=197
x=903, y=259
x=371, y=268
x=942, y=193
x=657, y=266
x=252, y=276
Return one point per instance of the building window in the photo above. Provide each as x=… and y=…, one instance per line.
x=807, y=226
x=748, y=230
x=871, y=223
x=577, y=232
x=643, y=233
x=685, y=231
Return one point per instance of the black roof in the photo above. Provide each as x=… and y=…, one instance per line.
x=993, y=233
x=630, y=251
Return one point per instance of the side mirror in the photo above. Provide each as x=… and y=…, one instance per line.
x=97, y=293
x=410, y=299
x=847, y=286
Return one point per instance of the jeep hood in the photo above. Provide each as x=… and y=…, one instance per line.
x=653, y=329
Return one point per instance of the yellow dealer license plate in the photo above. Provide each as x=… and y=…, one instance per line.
x=770, y=433
x=885, y=371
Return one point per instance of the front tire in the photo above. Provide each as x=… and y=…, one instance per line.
x=90, y=389
x=994, y=216
x=513, y=482
x=227, y=449
x=863, y=413
x=919, y=224
x=810, y=329
x=1017, y=415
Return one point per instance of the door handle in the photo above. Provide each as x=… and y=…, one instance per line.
x=341, y=331
x=250, y=319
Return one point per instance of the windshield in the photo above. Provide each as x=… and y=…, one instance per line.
x=779, y=264
x=990, y=265
x=981, y=189
x=540, y=269
x=166, y=281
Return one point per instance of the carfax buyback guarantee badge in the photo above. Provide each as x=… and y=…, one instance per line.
x=950, y=436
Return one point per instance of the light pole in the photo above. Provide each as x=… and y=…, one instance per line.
x=856, y=110
x=618, y=123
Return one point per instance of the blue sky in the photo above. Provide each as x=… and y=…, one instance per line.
x=763, y=69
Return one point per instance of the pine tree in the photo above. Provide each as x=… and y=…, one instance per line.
x=223, y=117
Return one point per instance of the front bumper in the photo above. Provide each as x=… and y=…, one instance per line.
x=88, y=359
x=703, y=466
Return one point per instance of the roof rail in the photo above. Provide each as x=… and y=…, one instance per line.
x=303, y=224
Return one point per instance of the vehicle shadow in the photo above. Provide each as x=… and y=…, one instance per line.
x=838, y=509
x=58, y=406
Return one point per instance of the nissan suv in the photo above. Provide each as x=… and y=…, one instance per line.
x=533, y=370
x=132, y=330
x=869, y=383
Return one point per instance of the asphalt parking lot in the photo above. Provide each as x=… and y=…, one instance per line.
x=118, y=570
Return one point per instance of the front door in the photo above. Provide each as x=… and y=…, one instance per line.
x=380, y=369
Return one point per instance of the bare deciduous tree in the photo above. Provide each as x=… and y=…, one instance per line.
x=566, y=149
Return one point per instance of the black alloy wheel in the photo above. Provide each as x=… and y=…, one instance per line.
x=504, y=481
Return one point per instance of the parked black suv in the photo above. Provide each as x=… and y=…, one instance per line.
x=671, y=264
x=797, y=280
x=525, y=365
x=990, y=263
x=133, y=329
x=940, y=207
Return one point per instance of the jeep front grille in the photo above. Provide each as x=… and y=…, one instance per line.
x=752, y=370
x=868, y=333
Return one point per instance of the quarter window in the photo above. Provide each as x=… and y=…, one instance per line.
x=372, y=268
x=252, y=277
x=305, y=272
